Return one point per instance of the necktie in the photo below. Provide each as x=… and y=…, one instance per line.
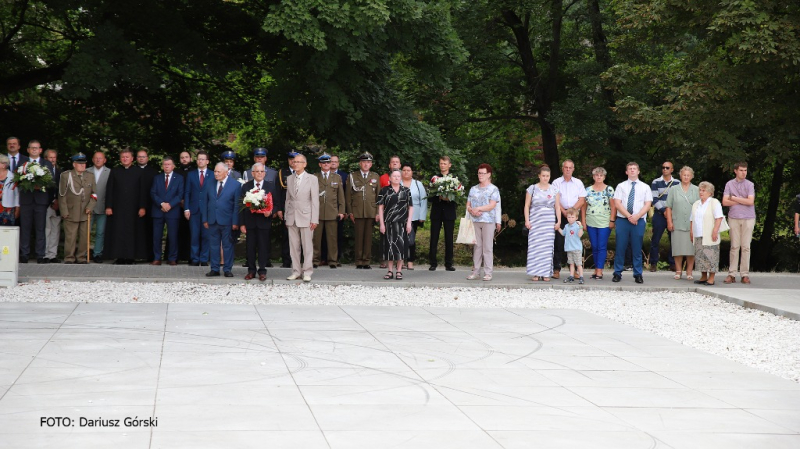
x=166, y=182
x=325, y=175
x=202, y=177
x=296, y=185
x=630, y=197
x=258, y=186
x=219, y=189
x=13, y=164
x=364, y=175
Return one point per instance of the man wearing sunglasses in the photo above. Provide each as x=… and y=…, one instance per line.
x=660, y=187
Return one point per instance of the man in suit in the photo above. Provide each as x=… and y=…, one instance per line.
x=193, y=195
x=302, y=217
x=283, y=177
x=76, y=199
x=443, y=212
x=362, y=195
x=331, y=210
x=219, y=209
x=166, y=194
x=257, y=226
x=52, y=228
x=184, y=231
x=33, y=210
x=14, y=158
x=100, y=173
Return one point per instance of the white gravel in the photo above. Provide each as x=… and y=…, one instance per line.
x=754, y=338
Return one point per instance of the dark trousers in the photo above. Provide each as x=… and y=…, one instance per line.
x=558, y=248
x=629, y=234
x=412, y=244
x=32, y=218
x=659, y=226
x=258, y=242
x=220, y=235
x=172, y=237
x=286, y=256
x=449, y=226
x=199, y=239
x=339, y=243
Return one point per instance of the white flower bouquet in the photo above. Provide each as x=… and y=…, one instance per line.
x=446, y=187
x=257, y=201
x=32, y=176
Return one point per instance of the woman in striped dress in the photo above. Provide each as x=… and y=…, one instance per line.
x=542, y=218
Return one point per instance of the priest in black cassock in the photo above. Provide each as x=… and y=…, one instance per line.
x=126, y=227
x=148, y=173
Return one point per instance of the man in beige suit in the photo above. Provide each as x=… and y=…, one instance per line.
x=302, y=217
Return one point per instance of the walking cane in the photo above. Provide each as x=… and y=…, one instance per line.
x=88, y=236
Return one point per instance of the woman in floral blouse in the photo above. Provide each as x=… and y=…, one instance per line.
x=597, y=217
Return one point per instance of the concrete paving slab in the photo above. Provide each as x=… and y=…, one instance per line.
x=411, y=377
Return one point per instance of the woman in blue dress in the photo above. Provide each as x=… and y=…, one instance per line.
x=542, y=218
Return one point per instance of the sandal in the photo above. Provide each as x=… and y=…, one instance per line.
x=689, y=277
x=534, y=279
x=487, y=278
x=472, y=277
x=546, y=279
x=678, y=275
x=399, y=276
x=389, y=275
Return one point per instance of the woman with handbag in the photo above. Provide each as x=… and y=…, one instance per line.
x=542, y=217
x=704, y=228
x=483, y=199
x=680, y=201
x=419, y=201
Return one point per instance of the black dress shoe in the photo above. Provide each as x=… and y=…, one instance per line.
x=95, y=259
x=638, y=279
x=367, y=267
x=194, y=264
x=359, y=267
x=203, y=264
x=212, y=273
x=616, y=278
x=432, y=268
x=42, y=260
x=333, y=265
x=228, y=274
x=57, y=260
x=23, y=259
x=315, y=266
x=450, y=268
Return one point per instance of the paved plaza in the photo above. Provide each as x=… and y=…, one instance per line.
x=306, y=377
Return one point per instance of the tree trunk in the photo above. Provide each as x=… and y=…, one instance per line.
x=603, y=57
x=540, y=92
x=765, y=243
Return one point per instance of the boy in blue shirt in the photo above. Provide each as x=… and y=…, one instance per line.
x=572, y=233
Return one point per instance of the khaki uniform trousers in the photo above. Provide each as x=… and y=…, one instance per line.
x=363, y=240
x=74, y=231
x=328, y=228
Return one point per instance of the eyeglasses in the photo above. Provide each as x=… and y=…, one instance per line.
x=666, y=167
x=479, y=173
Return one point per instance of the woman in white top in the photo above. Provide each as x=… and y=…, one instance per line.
x=419, y=201
x=704, y=230
x=9, y=196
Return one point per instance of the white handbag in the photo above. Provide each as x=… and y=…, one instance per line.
x=466, y=231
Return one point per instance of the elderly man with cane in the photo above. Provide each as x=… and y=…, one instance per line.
x=76, y=200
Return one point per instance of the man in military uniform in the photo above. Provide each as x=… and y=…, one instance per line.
x=229, y=158
x=331, y=210
x=362, y=194
x=76, y=200
x=283, y=176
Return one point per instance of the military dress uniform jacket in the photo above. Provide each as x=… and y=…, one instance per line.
x=331, y=196
x=362, y=194
x=75, y=195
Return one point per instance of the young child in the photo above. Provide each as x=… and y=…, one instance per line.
x=572, y=233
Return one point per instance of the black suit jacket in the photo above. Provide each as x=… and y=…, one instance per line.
x=38, y=197
x=442, y=210
x=259, y=221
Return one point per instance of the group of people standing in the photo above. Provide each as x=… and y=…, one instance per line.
x=130, y=205
x=689, y=214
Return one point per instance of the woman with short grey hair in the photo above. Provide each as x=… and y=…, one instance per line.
x=678, y=213
x=597, y=215
x=704, y=228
